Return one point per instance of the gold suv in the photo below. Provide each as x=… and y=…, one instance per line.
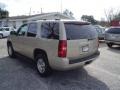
x=55, y=44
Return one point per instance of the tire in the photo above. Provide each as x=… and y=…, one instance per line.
x=43, y=65
x=109, y=45
x=89, y=62
x=1, y=36
x=10, y=50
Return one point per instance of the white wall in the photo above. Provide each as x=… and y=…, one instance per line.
x=50, y=17
x=19, y=22
x=10, y=24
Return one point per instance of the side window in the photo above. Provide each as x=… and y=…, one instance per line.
x=22, y=30
x=6, y=29
x=50, y=30
x=1, y=29
x=32, y=30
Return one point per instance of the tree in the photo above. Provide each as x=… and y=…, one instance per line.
x=68, y=13
x=109, y=14
x=3, y=13
x=89, y=18
x=117, y=16
x=112, y=14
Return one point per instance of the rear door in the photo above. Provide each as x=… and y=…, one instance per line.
x=81, y=40
x=50, y=38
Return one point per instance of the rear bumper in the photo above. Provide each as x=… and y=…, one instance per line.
x=66, y=64
x=113, y=42
x=89, y=58
x=101, y=38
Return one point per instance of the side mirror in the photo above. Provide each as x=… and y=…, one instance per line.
x=13, y=33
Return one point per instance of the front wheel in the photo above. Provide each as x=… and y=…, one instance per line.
x=43, y=65
x=1, y=36
x=11, y=52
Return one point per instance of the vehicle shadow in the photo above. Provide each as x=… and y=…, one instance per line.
x=115, y=49
x=75, y=80
x=21, y=74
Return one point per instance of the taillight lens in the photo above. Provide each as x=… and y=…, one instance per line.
x=62, y=48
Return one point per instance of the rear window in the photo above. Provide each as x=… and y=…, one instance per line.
x=113, y=30
x=80, y=31
x=100, y=30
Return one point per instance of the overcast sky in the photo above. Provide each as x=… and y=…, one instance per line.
x=78, y=7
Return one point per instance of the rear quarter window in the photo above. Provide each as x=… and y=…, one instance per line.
x=79, y=31
x=50, y=30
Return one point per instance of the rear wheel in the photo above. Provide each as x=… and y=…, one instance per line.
x=11, y=52
x=43, y=65
x=109, y=45
x=1, y=36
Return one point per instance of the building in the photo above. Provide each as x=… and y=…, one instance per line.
x=17, y=21
x=115, y=23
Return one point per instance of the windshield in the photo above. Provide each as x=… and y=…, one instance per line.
x=113, y=30
x=78, y=31
x=100, y=30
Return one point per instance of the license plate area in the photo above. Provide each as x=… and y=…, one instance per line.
x=85, y=48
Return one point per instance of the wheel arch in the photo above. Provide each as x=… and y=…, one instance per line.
x=38, y=51
x=1, y=34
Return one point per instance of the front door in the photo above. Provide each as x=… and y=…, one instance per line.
x=18, y=40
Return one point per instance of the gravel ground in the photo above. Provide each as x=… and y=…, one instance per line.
x=20, y=74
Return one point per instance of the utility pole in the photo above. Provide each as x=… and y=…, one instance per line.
x=41, y=11
x=61, y=6
x=30, y=12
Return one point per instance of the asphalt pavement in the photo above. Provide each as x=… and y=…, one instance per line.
x=21, y=74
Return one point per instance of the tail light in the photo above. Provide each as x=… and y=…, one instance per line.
x=62, y=48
